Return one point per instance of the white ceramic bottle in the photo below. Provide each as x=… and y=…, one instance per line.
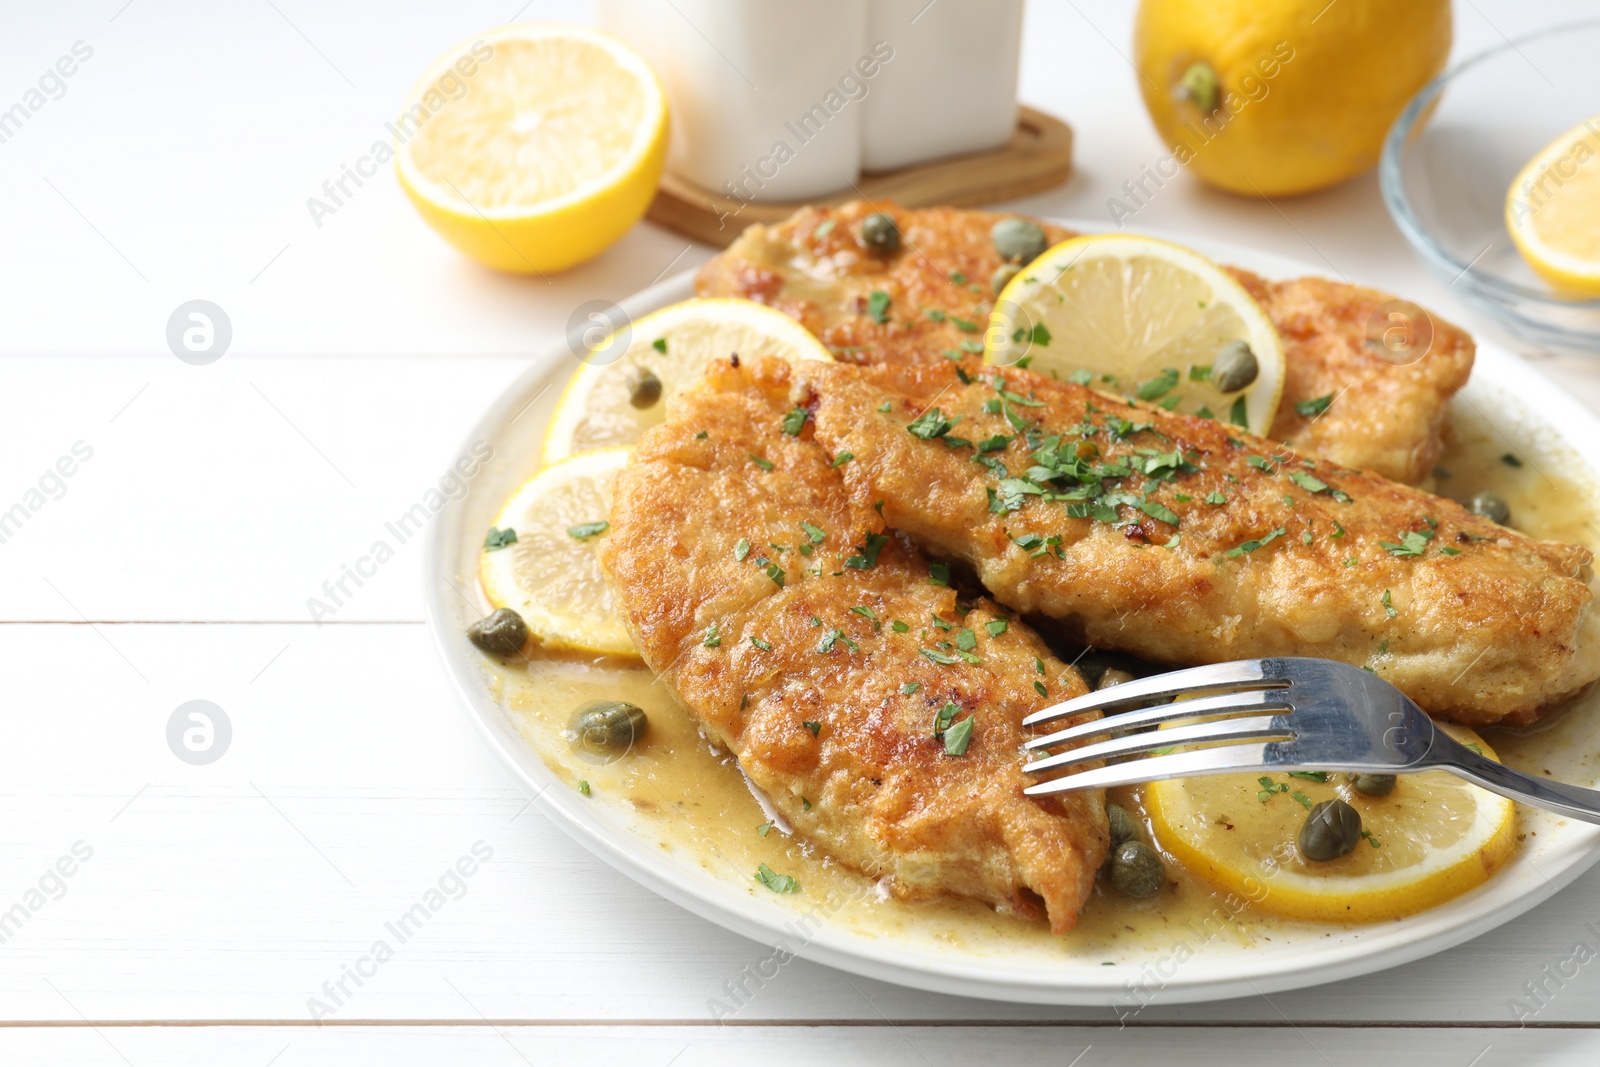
x=952, y=87
x=758, y=110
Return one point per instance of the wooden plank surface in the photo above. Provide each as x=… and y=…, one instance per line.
x=218, y=499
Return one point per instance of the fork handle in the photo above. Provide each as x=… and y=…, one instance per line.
x=1570, y=800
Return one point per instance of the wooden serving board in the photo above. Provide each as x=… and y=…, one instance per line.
x=1038, y=157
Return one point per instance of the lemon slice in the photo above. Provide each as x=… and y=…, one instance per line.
x=1432, y=838
x=673, y=344
x=550, y=575
x=1553, y=211
x=1141, y=318
x=532, y=148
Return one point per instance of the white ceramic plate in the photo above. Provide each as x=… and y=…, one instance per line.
x=1526, y=408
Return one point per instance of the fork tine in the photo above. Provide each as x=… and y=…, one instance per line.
x=1254, y=728
x=1215, y=677
x=1221, y=760
x=1221, y=704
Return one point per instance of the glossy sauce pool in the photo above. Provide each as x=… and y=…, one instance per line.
x=693, y=801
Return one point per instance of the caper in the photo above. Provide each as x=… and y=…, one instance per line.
x=1331, y=830
x=1136, y=870
x=1002, y=276
x=1123, y=828
x=879, y=233
x=1018, y=240
x=1234, y=368
x=1492, y=507
x=1112, y=676
x=644, y=388
x=1374, y=785
x=502, y=634
x=609, y=726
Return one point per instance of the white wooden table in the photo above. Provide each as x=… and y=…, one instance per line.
x=175, y=564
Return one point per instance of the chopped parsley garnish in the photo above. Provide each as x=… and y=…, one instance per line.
x=1310, y=776
x=585, y=530
x=764, y=829
x=1239, y=415
x=939, y=574
x=793, y=421
x=1159, y=386
x=1371, y=838
x=966, y=640
x=805, y=805
x=1414, y=543
x=935, y=314
x=824, y=228
x=712, y=640
x=1200, y=373
x=1387, y=605
x=814, y=727
x=938, y=657
x=1038, y=664
x=931, y=424
x=776, y=573
x=498, y=539
x=878, y=306
x=899, y=627
x=778, y=883
x=1157, y=510
x=660, y=345
x=1039, y=335
x=1251, y=546
x=996, y=627
x=1510, y=460
x=1040, y=689
x=957, y=277
x=1216, y=498
x=1080, y=377
x=957, y=737
x=762, y=645
x=1307, y=482
x=886, y=406
x=867, y=554
x=701, y=436
x=583, y=787
x=1310, y=408
x=741, y=550
x=964, y=325
x=1303, y=800
x=862, y=609
x=909, y=688
x=814, y=534
x=764, y=464
x=832, y=638
x=841, y=459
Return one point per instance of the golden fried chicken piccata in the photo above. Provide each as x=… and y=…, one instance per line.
x=879, y=715
x=1383, y=417
x=1186, y=541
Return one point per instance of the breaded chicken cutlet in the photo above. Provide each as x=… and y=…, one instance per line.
x=1384, y=417
x=1186, y=541
x=881, y=717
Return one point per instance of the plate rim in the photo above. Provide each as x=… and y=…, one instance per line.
x=1364, y=951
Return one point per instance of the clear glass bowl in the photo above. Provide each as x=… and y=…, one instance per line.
x=1450, y=158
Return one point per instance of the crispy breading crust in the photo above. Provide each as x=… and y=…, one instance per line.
x=872, y=785
x=1386, y=418
x=1475, y=622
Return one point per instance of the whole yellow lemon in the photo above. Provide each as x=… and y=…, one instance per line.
x=1276, y=97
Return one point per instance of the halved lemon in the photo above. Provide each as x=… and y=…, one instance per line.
x=1553, y=211
x=1142, y=318
x=1432, y=838
x=532, y=148
x=550, y=574
x=664, y=353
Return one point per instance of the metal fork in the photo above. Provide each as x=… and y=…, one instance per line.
x=1273, y=715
